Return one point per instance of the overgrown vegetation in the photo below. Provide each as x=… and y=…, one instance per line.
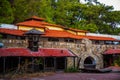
x=117, y=62
x=72, y=69
x=92, y=16
x=26, y=75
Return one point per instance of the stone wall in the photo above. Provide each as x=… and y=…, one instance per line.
x=11, y=43
x=82, y=49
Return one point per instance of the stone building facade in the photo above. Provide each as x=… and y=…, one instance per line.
x=88, y=49
x=84, y=49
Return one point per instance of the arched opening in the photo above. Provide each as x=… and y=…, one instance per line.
x=89, y=63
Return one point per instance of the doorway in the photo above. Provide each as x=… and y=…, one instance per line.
x=89, y=63
x=60, y=63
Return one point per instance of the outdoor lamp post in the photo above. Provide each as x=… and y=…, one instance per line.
x=33, y=37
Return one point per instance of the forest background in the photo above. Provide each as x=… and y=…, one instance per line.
x=92, y=16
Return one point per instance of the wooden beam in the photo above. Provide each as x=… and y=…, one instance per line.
x=65, y=62
x=4, y=65
x=32, y=64
x=74, y=62
x=19, y=61
x=43, y=64
x=54, y=63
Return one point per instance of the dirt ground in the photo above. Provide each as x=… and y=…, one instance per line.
x=78, y=76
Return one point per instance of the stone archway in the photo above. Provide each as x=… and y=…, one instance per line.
x=89, y=62
x=94, y=61
x=90, y=54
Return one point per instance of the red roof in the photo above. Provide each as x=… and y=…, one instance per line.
x=55, y=34
x=112, y=51
x=35, y=21
x=65, y=34
x=58, y=34
x=43, y=52
x=14, y=52
x=12, y=31
x=36, y=18
x=32, y=23
x=101, y=38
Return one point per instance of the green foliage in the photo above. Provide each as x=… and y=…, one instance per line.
x=6, y=12
x=117, y=62
x=38, y=61
x=71, y=69
x=0, y=36
x=89, y=27
x=26, y=8
x=92, y=16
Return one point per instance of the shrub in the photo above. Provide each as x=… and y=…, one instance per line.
x=117, y=62
x=72, y=69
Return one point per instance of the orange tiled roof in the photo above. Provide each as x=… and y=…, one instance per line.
x=101, y=38
x=32, y=23
x=35, y=18
x=65, y=34
x=36, y=22
x=56, y=33
x=12, y=31
x=60, y=34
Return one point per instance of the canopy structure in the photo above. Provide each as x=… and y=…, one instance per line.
x=42, y=52
x=112, y=51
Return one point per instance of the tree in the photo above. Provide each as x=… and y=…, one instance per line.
x=27, y=8
x=6, y=12
x=101, y=16
x=92, y=16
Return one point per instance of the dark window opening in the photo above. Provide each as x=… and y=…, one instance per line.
x=60, y=63
x=69, y=40
x=53, y=39
x=88, y=61
x=108, y=42
x=97, y=42
x=49, y=62
x=36, y=43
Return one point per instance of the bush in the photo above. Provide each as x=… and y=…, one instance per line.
x=117, y=62
x=72, y=69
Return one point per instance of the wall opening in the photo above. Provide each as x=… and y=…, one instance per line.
x=89, y=63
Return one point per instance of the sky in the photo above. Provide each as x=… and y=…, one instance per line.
x=114, y=3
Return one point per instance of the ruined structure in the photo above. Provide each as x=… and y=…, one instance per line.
x=89, y=49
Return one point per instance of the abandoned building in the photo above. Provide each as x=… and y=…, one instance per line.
x=54, y=46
